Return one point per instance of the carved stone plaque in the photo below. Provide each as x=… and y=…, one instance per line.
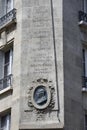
x=40, y=95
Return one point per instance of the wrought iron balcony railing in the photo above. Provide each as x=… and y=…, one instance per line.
x=6, y=82
x=84, y=82
x=8, y=18
x=82, y=16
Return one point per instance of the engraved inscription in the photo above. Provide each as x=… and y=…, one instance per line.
x=42, y=58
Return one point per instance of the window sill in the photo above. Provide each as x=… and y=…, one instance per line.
x=6, y=90
x=84, y=89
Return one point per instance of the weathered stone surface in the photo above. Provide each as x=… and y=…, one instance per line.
x=47, y=52
x=39, y=45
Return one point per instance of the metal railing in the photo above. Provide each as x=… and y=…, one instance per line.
x=84, y=81
x=10, y=16
x=82, y=16
x=6, y=82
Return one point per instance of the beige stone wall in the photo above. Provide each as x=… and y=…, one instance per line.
x=48, y=52
x=41, y=41
x=15, y=112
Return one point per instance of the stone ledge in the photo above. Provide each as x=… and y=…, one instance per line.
x=6, y=90
x=41, y=125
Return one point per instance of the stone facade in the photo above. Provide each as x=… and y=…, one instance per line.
x=47, y=63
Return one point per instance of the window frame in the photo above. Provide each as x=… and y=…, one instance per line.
x=9, y=63
x=6, y=81
x=7, y=117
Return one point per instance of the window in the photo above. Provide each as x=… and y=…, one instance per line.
x=85, y=6
x=9, y=4
x=83, y=14
x=85, y=123
x=8, y=62
x=84, y=61
x=6, y=59
x=84, y=67
x=7, y=14
x=5, y=122
x=7, y=67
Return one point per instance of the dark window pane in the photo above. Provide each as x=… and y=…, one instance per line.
x=85, y=122
x=83, y=62
x=6, y=69
x=7, y=57
x=3, y=121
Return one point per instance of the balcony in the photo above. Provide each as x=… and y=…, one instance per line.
x=8, y=19
x=6, y=82
x=82, y=19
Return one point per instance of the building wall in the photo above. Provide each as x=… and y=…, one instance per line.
x=15, y=113
x=72, y=66
x=83, y=36
x=47, y=51
x=41, y=27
